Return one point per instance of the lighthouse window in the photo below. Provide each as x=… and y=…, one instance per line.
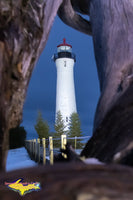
x=66, y=119
x=65, y=63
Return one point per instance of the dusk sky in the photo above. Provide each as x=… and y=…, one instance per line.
x=41, y=93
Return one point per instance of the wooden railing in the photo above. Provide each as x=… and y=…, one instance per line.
x=42, y=151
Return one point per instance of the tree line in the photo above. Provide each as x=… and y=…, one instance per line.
x=74, y=128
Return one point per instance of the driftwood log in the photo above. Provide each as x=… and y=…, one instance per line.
x=24, y=29
x=111, y=28
x=72, y=181
x=116, y=131
x=112, y=31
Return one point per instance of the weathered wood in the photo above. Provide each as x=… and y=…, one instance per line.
x=112, y=29
x=81, y=6
x=44, y=150
x=24, y=29
x=21, y=44
x=125, y=157
x=112, y=32
x=73, y=181
x=51, y=153
x=70, y=155
x=116, y=131
x=71, y=18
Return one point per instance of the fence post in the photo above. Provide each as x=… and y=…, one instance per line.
x=38, y=149
x=51, y=150
x=75, y=141
x=44, y=150
x=63, y=144
x=35, y=149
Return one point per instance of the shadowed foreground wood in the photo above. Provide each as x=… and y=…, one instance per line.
x=115, y=132
x=24, y=30
x=111, y=27
x=73, y=181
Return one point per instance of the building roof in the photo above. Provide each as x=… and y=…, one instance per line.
x=64, y=44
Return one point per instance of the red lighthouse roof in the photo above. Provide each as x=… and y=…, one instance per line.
x=64, y=44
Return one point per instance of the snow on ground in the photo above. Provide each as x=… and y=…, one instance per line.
x=18, y=159
x=94, y=161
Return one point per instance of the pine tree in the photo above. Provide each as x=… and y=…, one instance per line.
x=41, y=127
x=75, y=130
x=59, y=128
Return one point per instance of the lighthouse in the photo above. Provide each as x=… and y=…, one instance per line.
x=65, y=89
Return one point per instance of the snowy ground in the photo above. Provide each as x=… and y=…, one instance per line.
x=92, y=161
x=18, y=158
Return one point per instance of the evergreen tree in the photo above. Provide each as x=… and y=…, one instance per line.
x=75, y=130
x=59, y=128
x=59, y=124
x=41, y=127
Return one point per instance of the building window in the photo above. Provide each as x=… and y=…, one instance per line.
x=66, y=119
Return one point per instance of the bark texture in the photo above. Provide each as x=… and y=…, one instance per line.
x=113, y=43
x=115, y=133
x=112, y=31
x=73, y=182
x=24, y=29
x=71, y=18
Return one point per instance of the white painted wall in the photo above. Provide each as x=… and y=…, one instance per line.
x=65, y=90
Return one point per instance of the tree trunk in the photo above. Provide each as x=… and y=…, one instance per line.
x=111, y=27
x=73, y=181
x=112, y=30
x=115, y=133
x=24, y=29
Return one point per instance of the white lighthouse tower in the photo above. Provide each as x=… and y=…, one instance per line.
x=65, y=90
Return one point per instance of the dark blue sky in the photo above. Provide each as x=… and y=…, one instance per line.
x=42, y=88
